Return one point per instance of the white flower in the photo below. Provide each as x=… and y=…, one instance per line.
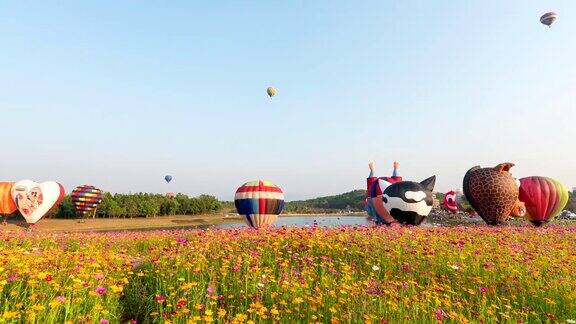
x=375, y=268
x=570, y=321
x=454, y=267
x=261, y=285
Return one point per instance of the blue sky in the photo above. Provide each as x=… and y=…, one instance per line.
x=120, y=93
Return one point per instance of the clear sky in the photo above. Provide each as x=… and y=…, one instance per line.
x=120, y=93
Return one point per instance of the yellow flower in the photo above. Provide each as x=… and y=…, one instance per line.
x=10, y=315
x=116, y=289
x=221, y=312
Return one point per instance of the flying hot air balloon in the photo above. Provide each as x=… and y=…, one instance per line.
x=7, y=204
x=543, y=197
x=548, y=18
x=271, y=91
x=168, y=178
x=260, y=202
x=86, y=199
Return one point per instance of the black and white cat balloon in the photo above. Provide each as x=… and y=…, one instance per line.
x=406, y=202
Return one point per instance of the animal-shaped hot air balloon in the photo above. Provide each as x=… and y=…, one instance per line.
x=406, y=202
x=7, y=204
x=548, y=18
x=493, y=193
x=450, y=203
x=384, y=182
x=260, y=202
x=168, y=178
x=35, y=200
x=271, y=91
x=543, y=197
x=86, y=199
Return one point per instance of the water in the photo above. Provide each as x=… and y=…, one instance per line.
x=305, y=221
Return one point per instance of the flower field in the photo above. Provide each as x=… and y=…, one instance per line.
x=289, y=275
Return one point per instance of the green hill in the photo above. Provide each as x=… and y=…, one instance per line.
x=350, y=201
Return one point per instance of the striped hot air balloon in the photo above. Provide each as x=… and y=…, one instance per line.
x=7, y=204
x=86, y=199
x=260, y=202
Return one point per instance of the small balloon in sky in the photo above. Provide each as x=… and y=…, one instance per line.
x=168, y=178
x=548, y=18
x=271, y=91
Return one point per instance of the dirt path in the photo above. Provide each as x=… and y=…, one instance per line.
x=116, y=224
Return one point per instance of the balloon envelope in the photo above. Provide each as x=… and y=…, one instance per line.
x=7, y=204
x=450, y=202
x=35, y=200
x=168, y=178
x=86, y=198
x=548, y=18
x=543, y=197
x=260, y=202
x=271, y=91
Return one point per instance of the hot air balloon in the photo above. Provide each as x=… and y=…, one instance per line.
x=374, y=187
x=405, y=202
x=543, y=197
x=493, y=193
x=7, y=204
x=35, y=200
x=271, y=91
x=450, y=202
x=260, y=202
x=168, y=178
x=548, y=18
x=86, y=199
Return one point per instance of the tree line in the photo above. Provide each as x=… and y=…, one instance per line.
x=144, y=205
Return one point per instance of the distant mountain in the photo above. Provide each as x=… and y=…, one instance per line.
x=349, y=201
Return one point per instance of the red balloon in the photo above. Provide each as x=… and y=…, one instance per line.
x=543, y=197
x=450, y=202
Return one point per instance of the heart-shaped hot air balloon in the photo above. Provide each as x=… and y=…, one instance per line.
x=34, y=200
x=86, y=199
x=260, y=202
x=543, y=197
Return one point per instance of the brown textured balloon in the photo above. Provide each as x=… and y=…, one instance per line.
x=493, y=192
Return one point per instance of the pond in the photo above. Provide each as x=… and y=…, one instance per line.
x=309, y=220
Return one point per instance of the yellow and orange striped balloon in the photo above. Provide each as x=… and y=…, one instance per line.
x=7, y=205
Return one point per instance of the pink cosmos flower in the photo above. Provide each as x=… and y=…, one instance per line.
x=483, y=290
x=440, y=314
x=100, y=290
x=160, y=298
x=99, y=276
x=104, y=321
